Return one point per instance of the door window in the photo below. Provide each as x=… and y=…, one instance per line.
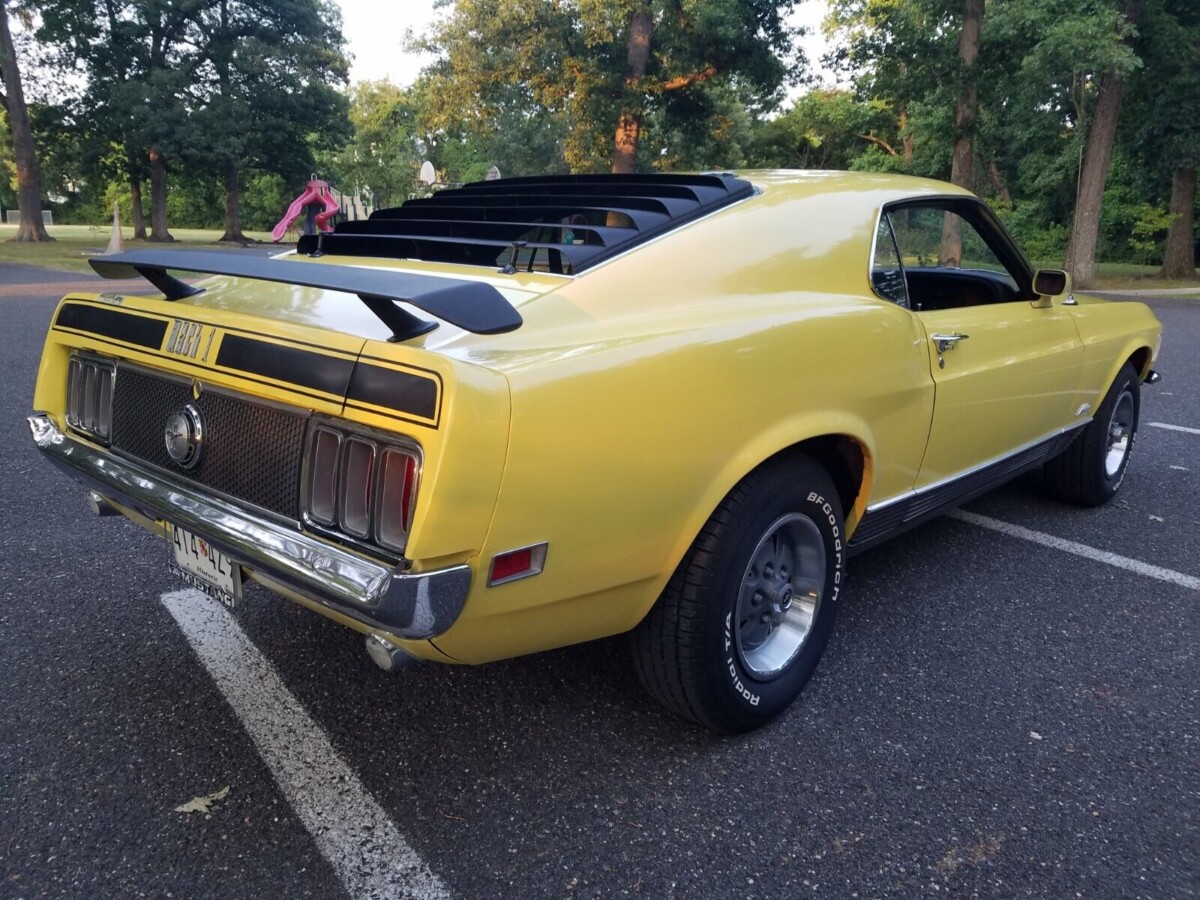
x=944, y=260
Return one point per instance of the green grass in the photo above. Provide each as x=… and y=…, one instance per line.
x=1119, y=277
x=75, y=244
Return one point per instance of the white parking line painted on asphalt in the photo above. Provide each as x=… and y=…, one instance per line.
x=1049, y=540
x=1175, y=428
x=349, y=827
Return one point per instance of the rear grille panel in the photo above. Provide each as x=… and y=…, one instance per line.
x=251, y=452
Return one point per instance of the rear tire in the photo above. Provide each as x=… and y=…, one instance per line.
x=745, y=618
x=1090, y=471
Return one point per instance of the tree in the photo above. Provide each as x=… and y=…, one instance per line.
x=382, y=158
x=1030, y=103
x=1179, y=258
x=516, y=137
x=29, y=174
x=1093, y=173
x=8, y=165
x=219, y=85
x=966, y=111
x=608, y=69
x=709, y=129
x=829, y=129
x=903, y=55
x=139, y=57
x=1162, y=133
x=1079, y=49
x=263, y=88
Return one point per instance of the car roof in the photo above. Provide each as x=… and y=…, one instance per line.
x=567, y=224
x=872, y=185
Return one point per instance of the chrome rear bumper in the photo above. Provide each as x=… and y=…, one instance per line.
x=407, y=605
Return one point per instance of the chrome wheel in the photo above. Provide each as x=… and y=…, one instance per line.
x=780, y=594
x=1120, y=433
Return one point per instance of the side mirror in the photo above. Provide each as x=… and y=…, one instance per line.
x=1049, y=283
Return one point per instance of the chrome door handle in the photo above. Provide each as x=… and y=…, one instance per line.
x=946, y=342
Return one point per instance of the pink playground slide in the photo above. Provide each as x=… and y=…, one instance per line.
x=317, y=191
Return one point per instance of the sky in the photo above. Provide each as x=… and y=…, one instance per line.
x=375, y=34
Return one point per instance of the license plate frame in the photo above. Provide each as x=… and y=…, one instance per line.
x=195, y=560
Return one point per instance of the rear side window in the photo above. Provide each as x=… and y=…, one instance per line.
x=887, y=274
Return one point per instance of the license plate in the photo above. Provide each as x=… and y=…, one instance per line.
x=203, y=566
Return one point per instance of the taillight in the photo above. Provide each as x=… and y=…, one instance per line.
x=322, y=480
x=361, y=486
x=396, y=497
x=354, y=487
x=89, y=396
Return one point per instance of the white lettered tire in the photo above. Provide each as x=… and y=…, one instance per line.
x=744, y=620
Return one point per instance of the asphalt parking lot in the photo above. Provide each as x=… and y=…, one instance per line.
x=999, y=713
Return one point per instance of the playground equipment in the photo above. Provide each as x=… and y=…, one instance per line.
x=320, y=203
x=316, y=193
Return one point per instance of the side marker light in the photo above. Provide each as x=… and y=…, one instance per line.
x=513, y=565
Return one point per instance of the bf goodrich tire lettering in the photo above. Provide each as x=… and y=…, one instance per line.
x=745, y=618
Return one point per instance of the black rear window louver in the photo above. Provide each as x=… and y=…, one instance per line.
x=557, y=223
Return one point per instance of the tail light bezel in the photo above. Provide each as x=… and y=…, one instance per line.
x=91, y=382
x=344, y=435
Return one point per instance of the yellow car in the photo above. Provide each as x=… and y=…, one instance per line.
x=537, y=411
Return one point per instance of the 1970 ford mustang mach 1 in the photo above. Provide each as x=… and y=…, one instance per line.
x=537, y=411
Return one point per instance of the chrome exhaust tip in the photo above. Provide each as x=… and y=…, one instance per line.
x=100, y=506
x=387, y=655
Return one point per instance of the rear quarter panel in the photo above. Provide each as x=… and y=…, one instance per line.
x=645, y=390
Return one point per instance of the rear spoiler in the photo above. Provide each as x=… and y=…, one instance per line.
x=472, y=306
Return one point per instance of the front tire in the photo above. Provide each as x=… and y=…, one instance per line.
x=745, y=618
x=1090, y=471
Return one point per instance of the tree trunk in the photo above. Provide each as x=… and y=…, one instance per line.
x=158, y=198
x=629, y=124
x=139, y=213
x=1093, y=173
x=999, y=183
x=29, y=173
x=1179, y=260
x=906, y=138
x=233, y=202
x=966, y=110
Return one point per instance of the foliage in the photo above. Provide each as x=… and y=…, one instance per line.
x=517, y=138
x=265, y=200
x=195, y=199
x=538, y=86
x=573, y=61
x=712, y=129
x=25, y=158
x=1132, y=228
x=208, y=87
x=8, y=166
x=1042, y=239
x=827, y=129
x=266, y=84
x=1040, y=68
x=383, y=155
